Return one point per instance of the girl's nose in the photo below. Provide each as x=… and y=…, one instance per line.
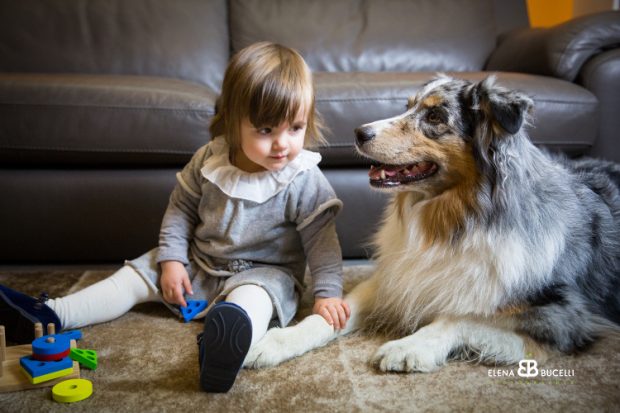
x=280, y=141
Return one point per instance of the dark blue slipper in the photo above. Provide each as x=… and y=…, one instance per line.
x=223, y=346
x=19, y=313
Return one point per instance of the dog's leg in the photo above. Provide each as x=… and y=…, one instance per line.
x=281, y=344
x=429, y=348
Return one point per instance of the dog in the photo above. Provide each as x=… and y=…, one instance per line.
x=490, y=249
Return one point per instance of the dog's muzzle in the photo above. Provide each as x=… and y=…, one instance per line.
x=364, y=134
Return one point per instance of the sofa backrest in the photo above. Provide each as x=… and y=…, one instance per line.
x=379, y=35
x=186, y=39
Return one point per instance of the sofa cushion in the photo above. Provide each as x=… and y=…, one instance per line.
x=185, y=39
x=371, y=36
x=101, y=119
x=565, y=114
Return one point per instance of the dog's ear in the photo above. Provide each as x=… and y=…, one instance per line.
x=505, y=111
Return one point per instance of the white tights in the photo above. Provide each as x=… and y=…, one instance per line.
x=111, y=298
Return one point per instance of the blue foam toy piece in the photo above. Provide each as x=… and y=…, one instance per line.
x=193, y=308
x=72, y=334
x=51, y=344
x=36, y=368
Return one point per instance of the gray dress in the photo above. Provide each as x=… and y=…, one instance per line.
x=230, y=228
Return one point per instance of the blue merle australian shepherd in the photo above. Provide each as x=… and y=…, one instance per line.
x=490, y=248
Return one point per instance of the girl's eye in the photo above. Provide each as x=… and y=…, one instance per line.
x=264, y=131
x=296, y=128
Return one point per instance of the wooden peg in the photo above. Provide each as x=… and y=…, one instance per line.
x=51, y=329
x=2, y=350
x=2, y=344
x=38, y=330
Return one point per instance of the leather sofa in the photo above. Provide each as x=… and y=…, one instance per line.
x=102, y=101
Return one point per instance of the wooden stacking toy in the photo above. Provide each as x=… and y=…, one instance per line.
x=45, y=362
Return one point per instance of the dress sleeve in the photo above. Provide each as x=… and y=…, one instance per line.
x=316, y=210
x=181, y=216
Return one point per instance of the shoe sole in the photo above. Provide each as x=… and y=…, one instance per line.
x=224, y=344
x=18, y=325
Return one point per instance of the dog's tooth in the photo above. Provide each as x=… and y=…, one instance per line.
x=383, y=174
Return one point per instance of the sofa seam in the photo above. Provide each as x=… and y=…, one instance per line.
x=398, y=99
x=61, y=106
x=97, y=150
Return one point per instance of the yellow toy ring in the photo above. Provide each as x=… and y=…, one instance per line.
x=72, y=390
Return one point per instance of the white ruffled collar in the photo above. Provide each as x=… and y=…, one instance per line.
x=257, y=186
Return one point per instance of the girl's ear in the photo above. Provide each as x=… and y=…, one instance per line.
x=503, y=109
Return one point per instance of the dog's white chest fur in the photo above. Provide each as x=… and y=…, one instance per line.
x=472, y=277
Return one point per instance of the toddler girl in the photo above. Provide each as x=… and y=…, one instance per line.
x=250, y=210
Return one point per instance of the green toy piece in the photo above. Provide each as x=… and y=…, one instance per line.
x=87, y=358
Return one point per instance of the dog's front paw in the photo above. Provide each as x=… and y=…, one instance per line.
x=269, y=351
x=407, y=355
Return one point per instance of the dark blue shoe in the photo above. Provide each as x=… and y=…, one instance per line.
x=19, y=313
x=223, y=346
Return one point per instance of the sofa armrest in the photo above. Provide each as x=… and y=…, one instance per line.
x=559, y=51
x=601, y=76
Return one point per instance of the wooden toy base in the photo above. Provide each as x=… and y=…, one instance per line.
x=14, y=379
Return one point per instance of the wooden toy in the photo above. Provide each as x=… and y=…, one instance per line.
x=193, y=308
x=51, y=344
x=49, y=376
x=72, y=390
x=51, y=357
x=12, y=377
x=72, y=334
x=87, y=358
x=51, y=347
x=40, y=371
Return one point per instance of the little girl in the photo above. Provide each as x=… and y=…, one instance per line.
x=250, y=210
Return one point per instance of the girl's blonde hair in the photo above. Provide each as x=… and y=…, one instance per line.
x=267, y=83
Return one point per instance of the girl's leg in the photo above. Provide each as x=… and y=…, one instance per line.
x=258, y=306
x=103, y=301
x=231, y=328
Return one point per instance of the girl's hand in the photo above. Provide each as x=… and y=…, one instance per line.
x=334, y=310
x=174, y=280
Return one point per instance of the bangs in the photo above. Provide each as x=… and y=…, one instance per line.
x=267, y=84
x=279, y=98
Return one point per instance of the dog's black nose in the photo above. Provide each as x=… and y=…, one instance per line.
x=364, y=134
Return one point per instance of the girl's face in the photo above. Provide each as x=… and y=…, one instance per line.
x=270, y=148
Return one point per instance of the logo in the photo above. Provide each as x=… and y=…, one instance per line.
x=528, y=368
x=530, y=372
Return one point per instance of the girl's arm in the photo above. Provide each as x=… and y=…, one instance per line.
x=177, y=231
x=181, y=216
x=177, y=228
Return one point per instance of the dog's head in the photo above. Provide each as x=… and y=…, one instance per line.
x=446, y=137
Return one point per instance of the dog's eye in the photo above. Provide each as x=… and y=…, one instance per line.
x=433, y=116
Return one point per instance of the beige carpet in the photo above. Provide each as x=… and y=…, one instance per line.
x=148, y=362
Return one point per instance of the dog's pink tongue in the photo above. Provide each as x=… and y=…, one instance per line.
x=389, y=170
x=392, y=170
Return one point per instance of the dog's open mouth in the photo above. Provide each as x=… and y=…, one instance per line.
x=384, y=176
